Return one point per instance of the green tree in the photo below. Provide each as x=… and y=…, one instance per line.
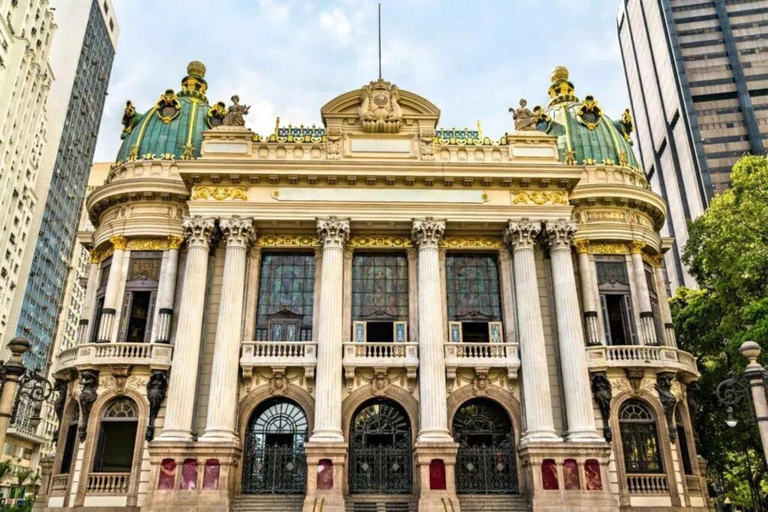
x=727, y=253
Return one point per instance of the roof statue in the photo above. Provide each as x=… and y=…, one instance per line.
x=525, y=120
x=235, y=113
x=379, y=109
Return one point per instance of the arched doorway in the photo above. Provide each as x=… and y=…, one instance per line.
x=486, y=462
x=274, y=461
x=380, y=449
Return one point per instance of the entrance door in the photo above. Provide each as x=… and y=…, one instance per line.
x=380, y=449
x=486, y=462
x=274, y=461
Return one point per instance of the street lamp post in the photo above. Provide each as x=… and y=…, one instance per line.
x=11, y=374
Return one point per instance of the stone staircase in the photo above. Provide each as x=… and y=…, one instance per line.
x=491, y=503
x=268, y=503
x=380, y=503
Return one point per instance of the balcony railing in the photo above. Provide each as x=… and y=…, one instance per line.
x=381, y=355
x=642, y=356
x=59, y=485
x=693, y=484
x=159, y=356
x=648, y=484
x=108, y=483
x=279, y=355
x=481, y=355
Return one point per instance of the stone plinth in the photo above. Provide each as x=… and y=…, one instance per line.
x=322, y=493
x=437, y=500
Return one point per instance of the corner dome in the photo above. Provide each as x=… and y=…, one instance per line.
x=173, y=128
x=585, y=135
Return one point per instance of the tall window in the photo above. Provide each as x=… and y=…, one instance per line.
x=117, y=437
x=651, y=283
x=140, y=295
x=616, y=301
x=101, y=292
x=70, y=442
x=380, y=293
x=682, y=443
x=639, y=438
x=286, y=297
x=472, y=289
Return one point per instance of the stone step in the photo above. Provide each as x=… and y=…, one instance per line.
x=378, y=503
x=490, y=503
x=268, y=503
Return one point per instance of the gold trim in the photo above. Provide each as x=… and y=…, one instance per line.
x=608, y=248
x=220, y=193
x=134, y=153
x=636, y=246
x=287, y=241
x=148, y=244
x=540, y=197
x=582, y=246
x=118, y=242
x=174, y=242
x=473, y=242
x=384, y=241
x=654, y=260
x=99, y=255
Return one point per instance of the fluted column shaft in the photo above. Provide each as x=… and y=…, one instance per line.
x=591, y=306
x=89, y=302
x=166, y=291
x=427, y=235
x=220, y=425
x=111, y=294
x=573, y=358
x=540, y=425
x=666, y=314
x=186, y=355
x=647, y=327
x=333, y=234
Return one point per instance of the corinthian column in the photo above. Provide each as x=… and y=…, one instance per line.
x=89, y=301
x=166, y=291
x=220, y=426
x=427, y=235
x=333, y=233
x=647, y=327
x=186, y=352
x=578, y=394
x=521, y=237
x=114, y=281
x=592, y=327
x=666, y=313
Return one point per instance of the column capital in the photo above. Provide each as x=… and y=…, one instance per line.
x=119, y=242
x=582, y=246
x=174, y=242
x=522, y=234
x=636, y=246
x=198, y=230
x=333, y=232
x=560, y=234
x=238, y=231
x=427, y=232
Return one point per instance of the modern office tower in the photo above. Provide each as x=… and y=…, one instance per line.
x=81, y=59
x=26, y=30
x=697, y=73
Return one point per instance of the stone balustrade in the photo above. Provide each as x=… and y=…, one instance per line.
x=103, y=354
x=108, y=483
x=481, y=355
x=648, y=484
x=600, y=358
x=381, y=356
x=693, y=484
x=279, y=355
x=59, y=485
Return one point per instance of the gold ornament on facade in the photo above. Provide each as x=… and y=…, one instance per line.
x=560, y=90
x=168, y=106
x=99, y=255
x=654, y=260
x=589, y=113
x=636, y=246
x=473, y=242
x=215, y=115
x=129, y=118
x=147, y=244
x=119, y=242
x=188, y=153
x=627, y=127
x=379, y=108
x=287, y=241
x=582, y=246
x=175, y=242
x=220, y=193
x=381, y=241
x=570, y=157
x=608, y=248
x=540, y=197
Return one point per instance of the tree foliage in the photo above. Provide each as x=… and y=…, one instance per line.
x=727, y=254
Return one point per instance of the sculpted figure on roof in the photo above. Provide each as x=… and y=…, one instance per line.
x=235, y=113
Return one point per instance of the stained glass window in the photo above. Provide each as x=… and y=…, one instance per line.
x=286, y=297
x=472, y=287
x=639, y=438
x=380, y=286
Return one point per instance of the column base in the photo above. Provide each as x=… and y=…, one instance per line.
x=585, y=436
x=175, y=436
x=552, y=486
x=435, y=463
x=540, y=437
x=326, y=471
x=219, y=436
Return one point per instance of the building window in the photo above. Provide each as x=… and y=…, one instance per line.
x=651, y=283
x=71, y=441
x=379, y=293
x=101, y=292
x=286, y=297
x=117, y=437
x=639, y=438
x=140, y=295
x=472, y=289
x=616, y=301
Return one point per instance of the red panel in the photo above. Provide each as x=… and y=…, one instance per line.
x=325, y=475
x=549, y=475
x=592, y=475
x=437, y=474
x=189, y=475
x=167, y=478
x=211, y=475
x=571, y=475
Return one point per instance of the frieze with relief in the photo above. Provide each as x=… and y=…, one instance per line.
x=220, y=193
x=540, y=197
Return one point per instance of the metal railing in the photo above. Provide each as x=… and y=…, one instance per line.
x=108, y=483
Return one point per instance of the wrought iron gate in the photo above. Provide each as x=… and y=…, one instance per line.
x=380, y=451
x=275, y=470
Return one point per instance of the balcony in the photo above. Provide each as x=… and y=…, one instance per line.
x=108, y=483
x=600, y=358
x=59, y=485
x=481, y=356
x=277, y=356
x=648, y=484
x=155, y=355
x=380, y=356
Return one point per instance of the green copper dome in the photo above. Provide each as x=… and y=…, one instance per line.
x=173, y=128
x=584, y=134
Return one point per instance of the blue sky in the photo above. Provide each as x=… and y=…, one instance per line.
x=473, y=58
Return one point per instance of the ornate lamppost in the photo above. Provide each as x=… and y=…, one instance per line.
x=736, y=389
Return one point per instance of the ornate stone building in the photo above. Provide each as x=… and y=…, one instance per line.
x=375, y=315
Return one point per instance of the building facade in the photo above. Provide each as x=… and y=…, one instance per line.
x=374, y=314
x=697, y=74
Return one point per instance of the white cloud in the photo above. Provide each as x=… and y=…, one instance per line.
x=336, y=24
x=277, y=11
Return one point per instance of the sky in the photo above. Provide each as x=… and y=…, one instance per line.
x=473, y=58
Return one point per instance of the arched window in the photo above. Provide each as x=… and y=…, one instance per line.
x=639, y=438
x=117, y=437
x=70, y=441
